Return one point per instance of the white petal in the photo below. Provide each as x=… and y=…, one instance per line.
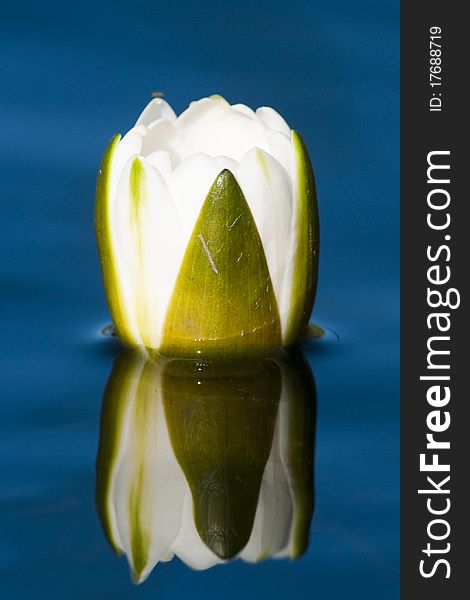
x=161, y=135
x=150, y=248
x=160, y=159
x=188, y=546
x=129, y=146
x=225, y=162
x=189, y=185
x=271, y=119
x=213, y=128
x=246, y=110
x=204, y=110
x=119, y=233
x=156, y=109
x=280, y=146
x=268, y=190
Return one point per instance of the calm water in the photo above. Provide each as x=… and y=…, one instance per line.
x=69, y=80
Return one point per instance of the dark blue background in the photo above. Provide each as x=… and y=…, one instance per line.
x=73, y=74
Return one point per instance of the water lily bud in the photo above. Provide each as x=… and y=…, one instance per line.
x=207, y=229
x=206, y=461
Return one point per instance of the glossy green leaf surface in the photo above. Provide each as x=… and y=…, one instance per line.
x=223, y=304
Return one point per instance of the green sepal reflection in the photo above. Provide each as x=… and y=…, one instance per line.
x=298, y=378
x=221, y=423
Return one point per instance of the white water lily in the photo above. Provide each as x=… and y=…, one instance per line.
x=207, y=228
x=206, y=462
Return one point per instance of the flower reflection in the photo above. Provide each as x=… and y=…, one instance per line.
x=206, y=461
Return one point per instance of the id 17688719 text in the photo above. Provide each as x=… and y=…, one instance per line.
x=435, y=68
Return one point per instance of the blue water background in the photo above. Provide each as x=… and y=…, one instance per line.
x=73, y=74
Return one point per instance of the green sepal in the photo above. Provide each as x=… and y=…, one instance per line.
x=306, y=253
x=106, y=250
x=223, y=304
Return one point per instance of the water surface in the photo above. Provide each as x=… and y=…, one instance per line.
x=70, y=79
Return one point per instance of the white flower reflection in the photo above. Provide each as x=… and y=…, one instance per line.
x=207, y=462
